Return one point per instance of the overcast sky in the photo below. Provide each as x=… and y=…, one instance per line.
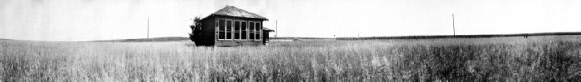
x=83, y=20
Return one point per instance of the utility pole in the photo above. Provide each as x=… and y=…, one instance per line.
x=276, y=28
x=453, y=25
x=147, y=27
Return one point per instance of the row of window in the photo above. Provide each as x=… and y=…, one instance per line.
x=239, y=30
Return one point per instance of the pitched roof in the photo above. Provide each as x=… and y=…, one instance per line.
x=236, y=12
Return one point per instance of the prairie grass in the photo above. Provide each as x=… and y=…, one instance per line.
x=481, y=59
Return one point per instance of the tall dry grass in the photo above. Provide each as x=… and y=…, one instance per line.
x=370, y=60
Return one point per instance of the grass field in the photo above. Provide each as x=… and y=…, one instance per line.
x=540, y=58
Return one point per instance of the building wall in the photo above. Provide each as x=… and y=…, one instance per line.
x=229, y=43
x=207, y=36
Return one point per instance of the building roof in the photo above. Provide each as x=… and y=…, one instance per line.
x=236, y=12
x=267, y=29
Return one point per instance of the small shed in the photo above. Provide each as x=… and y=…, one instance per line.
x=265, y=35
x=231, y=26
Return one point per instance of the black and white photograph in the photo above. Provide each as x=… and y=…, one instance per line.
x=290, y=40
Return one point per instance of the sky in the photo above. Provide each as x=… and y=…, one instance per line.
x=86, y=20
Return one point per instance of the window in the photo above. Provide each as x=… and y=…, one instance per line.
x=258, y=30
x=221, y=29
x=236, y=30
x=251, y=31
x=229, y=29
x=244, y=29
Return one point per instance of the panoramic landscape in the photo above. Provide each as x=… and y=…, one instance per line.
x=536, y=58
x=290, y=41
